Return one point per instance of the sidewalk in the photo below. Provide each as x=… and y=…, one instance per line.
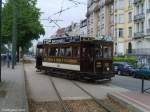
x=136, y=101
x=12, y=90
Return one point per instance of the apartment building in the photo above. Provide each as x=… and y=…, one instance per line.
x=73, y=29
x=123, y=12
x=83, y=28
x=60, y=32
x=106, y=18
x=141, y=40
x=92, y=18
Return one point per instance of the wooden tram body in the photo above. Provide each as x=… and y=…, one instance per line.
x=76, y=58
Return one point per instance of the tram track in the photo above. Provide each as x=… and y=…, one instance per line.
x=93, y=97
x=64, y=106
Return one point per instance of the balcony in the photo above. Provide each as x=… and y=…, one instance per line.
x=140, y=52
x=148, y=10
x=137, y=1
x=138, y=34
x=140, y=16
x=107, y=2
x=130, y=7
x=148, y=31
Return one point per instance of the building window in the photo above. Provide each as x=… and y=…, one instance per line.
x=120, y=32
x=142, y=8
x=148, y=4
x=130, y=3
x=137, y=9
x=149, y=23
x=130, y=16
x=115, y=4
x=121, y=18
x=116, y=33
x=129, y=47
x=120, y=4
x=115, y=18
x=112, y=19
x=137, y=27
x=130, y=32
x=142, y=27
x=112, y=31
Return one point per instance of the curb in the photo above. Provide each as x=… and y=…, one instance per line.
x=26, y=98
x=125, y=103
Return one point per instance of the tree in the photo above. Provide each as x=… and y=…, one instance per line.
x=28, y=24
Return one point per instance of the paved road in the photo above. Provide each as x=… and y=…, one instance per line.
x=123, y=81
x=129, y=83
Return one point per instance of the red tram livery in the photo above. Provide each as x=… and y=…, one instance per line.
x=76, y=58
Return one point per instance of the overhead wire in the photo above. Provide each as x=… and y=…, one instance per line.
x=50, y=20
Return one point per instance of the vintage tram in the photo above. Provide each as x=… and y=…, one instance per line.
x=76, y=58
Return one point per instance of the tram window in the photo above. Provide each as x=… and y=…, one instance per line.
x=39, y=52
x=67, y=51
x=76, y=52
x=57, y=52
x=107, y=53
x=98, y=51
x=52, y=52
x=61, y=51
x=86, y=52
x=49, y=52
x=45, y=52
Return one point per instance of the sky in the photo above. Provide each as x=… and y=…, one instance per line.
x=49, y=7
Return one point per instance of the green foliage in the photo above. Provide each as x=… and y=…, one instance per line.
x=131, y=59
x=4, y=49
x=28, y=24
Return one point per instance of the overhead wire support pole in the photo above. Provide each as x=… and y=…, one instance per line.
x=57, y=25
x=0, y=38
x=14, y=35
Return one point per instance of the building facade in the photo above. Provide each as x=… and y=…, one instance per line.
x=73, y=29
x=123, y=14
x=83, y=28
x=106, y=18
x=60, y=32
x=141, y=40
x=92, y=18
x=140, y=45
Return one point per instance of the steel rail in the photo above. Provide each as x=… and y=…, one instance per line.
x=66, y=109
x=93, y=97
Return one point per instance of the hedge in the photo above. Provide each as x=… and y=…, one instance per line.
x=131, y=59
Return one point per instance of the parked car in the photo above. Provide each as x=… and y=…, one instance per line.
x=123, y=68
x=142, y=72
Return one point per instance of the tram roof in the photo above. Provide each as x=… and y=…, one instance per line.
x=71, y=40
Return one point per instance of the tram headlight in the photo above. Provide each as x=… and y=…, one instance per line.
x=108, y=68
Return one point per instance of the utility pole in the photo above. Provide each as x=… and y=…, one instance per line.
x=0, y=37
x=14, y=26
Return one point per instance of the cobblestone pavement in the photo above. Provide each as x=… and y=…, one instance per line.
x=13, y=90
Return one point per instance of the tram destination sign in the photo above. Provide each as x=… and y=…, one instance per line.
x=66, y=39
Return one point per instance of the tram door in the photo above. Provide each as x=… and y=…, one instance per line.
x=87, y=57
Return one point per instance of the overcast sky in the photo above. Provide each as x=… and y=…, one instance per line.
x=49, y=7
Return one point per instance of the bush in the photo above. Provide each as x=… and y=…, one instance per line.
x=131, y=59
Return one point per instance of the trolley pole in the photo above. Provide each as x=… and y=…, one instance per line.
x=14, y=35
x=0, y=37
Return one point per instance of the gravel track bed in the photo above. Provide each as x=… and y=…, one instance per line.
x=44, y=106
x=74, y=106
x=84, y=106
